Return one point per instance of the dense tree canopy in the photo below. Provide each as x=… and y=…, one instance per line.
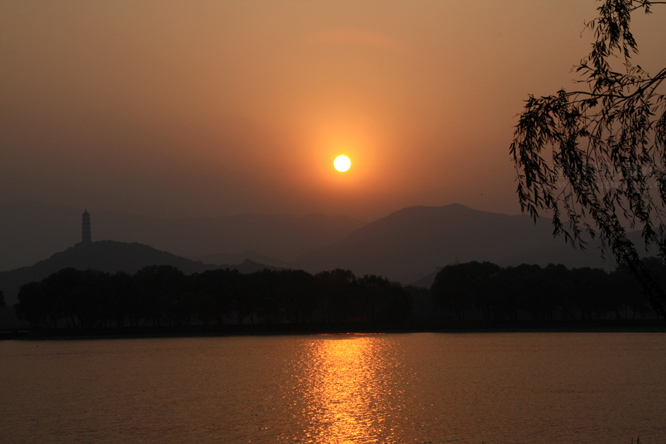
x=595, y=157
x=487, y=292
x=163, y=296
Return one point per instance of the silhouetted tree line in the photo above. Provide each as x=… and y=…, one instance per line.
x=164, y=296
x=529, y=292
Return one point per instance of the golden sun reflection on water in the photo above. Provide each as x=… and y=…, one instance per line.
x=350, y=391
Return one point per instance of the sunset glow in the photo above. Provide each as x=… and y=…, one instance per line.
x=199, y=108
x=335, y=222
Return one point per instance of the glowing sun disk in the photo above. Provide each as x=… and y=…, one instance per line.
x=342, y=163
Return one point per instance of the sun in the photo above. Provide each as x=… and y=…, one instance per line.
x=342, y=163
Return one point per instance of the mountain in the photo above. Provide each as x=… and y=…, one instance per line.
x=32, y=231
x=110, y=257
x=414, y=242
x=221, y=259
x=105, y=256
x=405, y=246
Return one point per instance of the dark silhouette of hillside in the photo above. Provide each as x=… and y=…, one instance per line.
x=33, y=231
x=417, y=241
x=222, y=259
x=106, y=256
x=408, y=245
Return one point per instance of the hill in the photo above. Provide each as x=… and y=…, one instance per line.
x=105, y=256
x=33, y=231
x=414, y=242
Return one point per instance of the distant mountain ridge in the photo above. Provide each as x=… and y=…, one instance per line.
x=30, y=232
x=414, y=242
x=236, y=258
x=408, y=246
x=107, y=256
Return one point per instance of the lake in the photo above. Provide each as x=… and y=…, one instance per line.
x=365, y=388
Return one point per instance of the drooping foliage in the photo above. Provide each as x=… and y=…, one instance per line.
x=594, y=158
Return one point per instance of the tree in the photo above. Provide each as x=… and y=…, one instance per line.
x=339, y=290
x=159, y=290
x=459, y=288
x=34, y=306
x=595, y=158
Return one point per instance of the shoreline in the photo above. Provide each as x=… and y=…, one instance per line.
x=600, y=326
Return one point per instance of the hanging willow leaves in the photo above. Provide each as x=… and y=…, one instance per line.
x=594, y=157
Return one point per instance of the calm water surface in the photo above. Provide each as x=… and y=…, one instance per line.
x=409, y=388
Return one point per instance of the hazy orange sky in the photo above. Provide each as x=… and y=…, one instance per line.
x=173, y=108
